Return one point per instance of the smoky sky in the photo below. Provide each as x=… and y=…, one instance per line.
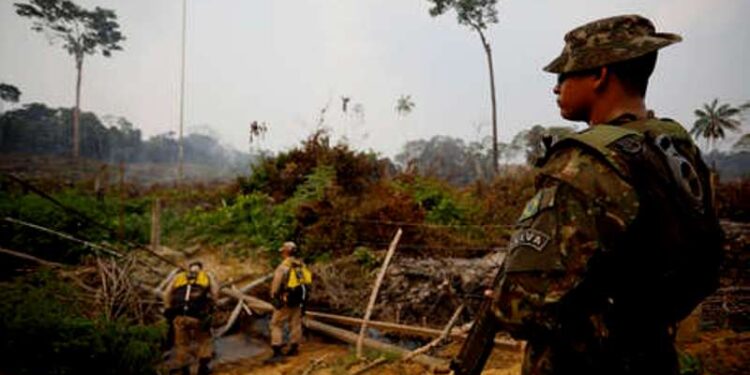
x=282, y=62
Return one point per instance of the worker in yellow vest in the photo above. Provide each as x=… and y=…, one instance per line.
x=189, y=302
x=289, y=291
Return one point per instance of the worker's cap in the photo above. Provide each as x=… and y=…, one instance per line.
x=289, y=245
x=609, y=40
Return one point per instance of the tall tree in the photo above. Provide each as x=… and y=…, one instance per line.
x=477, y=14
x=80, y=31
x=714, y=119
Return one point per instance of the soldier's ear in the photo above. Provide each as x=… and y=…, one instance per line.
x=601, y=78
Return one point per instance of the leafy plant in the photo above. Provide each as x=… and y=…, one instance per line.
x=45, y=328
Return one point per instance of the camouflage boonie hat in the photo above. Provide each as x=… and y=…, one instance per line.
x=608, y=41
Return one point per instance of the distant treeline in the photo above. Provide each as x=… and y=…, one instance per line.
x=38, y=129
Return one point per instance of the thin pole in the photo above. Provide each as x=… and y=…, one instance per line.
x=375, y=289
x=182, y=94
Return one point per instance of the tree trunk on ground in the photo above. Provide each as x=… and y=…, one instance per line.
x=352, y=338
x=77, y=109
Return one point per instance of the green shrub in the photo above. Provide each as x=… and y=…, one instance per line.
x=689, y=365
x=253, y=220
x=44, y=329
x=365, y=257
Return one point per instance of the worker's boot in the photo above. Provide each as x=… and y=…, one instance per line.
x=293, y=350
x=277, y=356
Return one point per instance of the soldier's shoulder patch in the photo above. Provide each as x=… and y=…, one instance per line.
x=532, y=238
x=544, y=198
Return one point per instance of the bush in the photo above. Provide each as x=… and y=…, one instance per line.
x=44, y=329
x=34, y=209
x=252, y=220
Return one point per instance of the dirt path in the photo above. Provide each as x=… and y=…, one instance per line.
x=239, y=355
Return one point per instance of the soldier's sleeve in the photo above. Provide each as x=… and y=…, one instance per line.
x=579, y=205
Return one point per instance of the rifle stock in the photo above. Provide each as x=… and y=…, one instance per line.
x=481, y=339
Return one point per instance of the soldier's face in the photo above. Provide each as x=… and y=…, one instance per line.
x=575, y=95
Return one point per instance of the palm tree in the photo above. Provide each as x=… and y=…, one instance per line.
x=404, y=105
x=713, y=120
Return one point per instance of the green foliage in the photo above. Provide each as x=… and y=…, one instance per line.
x=365, y=257
x=252, y=219
x=82, y=31
x=474, y=13
x=314, y=186
x=280, y=176
x=44, y=329
x=689, y=365
x=713, y=120
x=442, y=204
x=37, y=210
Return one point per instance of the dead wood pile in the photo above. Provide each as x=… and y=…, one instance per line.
x=414, y=290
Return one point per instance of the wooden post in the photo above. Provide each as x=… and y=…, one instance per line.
x=156, y=225
x=374, y=294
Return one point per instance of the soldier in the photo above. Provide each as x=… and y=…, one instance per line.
x=289, y=291
x=190, y=301
x=621, y=240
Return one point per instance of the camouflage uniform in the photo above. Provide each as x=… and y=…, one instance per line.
x=582, y=310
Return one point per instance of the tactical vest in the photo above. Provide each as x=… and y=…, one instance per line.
x=297, y=284
x=667, y=261
x=190, y=296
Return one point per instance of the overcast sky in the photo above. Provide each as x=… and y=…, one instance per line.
x=280, y=62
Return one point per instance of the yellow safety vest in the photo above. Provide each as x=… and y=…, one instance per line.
x=182, y=279
x=299, y=274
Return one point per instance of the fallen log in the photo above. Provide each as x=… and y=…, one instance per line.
x=254, y=303
x=404, y=329
x=353, y=338
x=230, y=321
x=247, y=288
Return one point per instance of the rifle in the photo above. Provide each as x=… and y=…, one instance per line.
x=481, y=340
